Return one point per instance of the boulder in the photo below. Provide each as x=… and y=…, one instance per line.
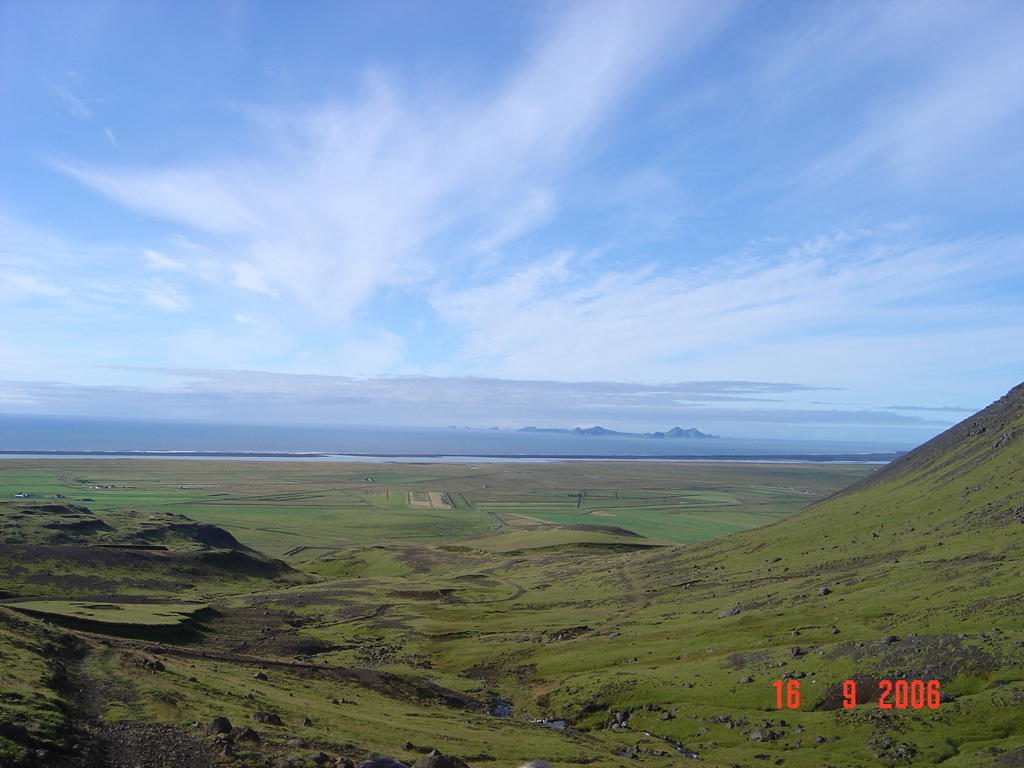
x=436, y=760
x=219, y=725
x=380, y=761
x=244, y=733
x=267, y=718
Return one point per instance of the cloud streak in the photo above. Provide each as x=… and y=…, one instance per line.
x=556, y=317
x=348, y=197
x=734, y=407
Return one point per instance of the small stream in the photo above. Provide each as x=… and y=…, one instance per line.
x=677, y=747
x=501, y=708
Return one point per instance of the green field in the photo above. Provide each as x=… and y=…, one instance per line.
x=140, y=614
x=277, y=507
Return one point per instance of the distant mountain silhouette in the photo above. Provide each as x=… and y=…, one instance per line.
x=675, y=432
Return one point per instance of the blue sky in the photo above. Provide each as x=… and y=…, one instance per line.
x=764, y=219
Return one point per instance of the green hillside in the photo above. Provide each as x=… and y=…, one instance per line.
x=647, y=653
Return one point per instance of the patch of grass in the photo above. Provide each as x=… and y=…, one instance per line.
x=143, y=614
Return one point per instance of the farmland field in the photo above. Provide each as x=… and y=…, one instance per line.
x=278, y=507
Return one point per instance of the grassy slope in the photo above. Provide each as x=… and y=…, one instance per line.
x=930, y=546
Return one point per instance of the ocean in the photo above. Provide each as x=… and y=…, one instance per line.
x=27, y=436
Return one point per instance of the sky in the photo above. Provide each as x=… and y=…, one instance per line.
x=761, y=218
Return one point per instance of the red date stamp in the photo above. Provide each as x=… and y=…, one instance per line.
x=892, y=694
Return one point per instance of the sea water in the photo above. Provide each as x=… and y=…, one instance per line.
x=35, y=435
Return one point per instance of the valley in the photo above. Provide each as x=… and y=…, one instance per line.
x=583, y=613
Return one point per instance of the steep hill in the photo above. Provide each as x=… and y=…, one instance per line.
x=61, y=550
x=912, y=574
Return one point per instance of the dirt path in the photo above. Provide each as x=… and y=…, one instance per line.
x=393, y=685
x=126, y=744
x=633, y=597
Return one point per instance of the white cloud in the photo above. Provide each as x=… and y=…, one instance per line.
x=555, y=319
x=166, y=297
x=13, y=284
x=731, y=407
x=158, y=262
x=350, y=195
x=931, y=112
x=75, y=105
x=368, y=354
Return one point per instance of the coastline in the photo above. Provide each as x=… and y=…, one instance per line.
x=796, y=458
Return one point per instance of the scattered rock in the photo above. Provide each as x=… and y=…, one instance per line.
x=746, y=680
x=219, y=725
x=244, y=733
x=306, y=722
x=267, y=718
x=436, y=760
x=259, y=676
x=17, y=733
x=888, y=639
x=379, y=761
x=824, y=591
x=728, y=612
x=796, y=651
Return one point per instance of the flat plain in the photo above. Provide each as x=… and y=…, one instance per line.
x=277, y=507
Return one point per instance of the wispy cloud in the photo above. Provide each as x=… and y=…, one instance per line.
x=166, y=297
x=736, y=407
x=75, y=106
x=930, y=114
x=347, y=196
x=19, y=282
x=557, y=317
x=158, y=262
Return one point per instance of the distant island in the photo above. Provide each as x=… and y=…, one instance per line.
x=675, y=432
